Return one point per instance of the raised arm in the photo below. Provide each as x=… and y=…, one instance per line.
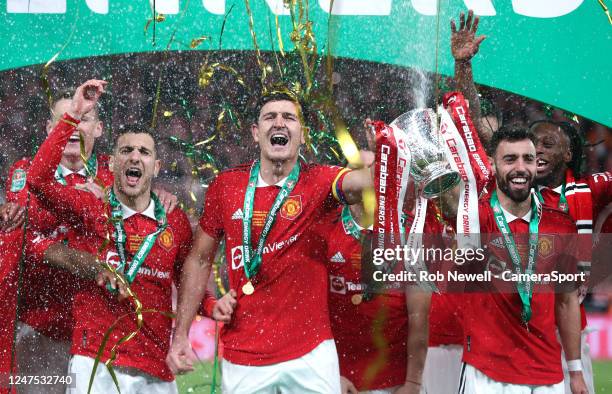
x=196, y=271
x=65, y=202
x=464, y=45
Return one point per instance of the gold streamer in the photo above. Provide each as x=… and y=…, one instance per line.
x=381, y=344
x=165, y=57
x=605, y=10
x=197, y=41
x=281, y=46
x=43, y=75
x=265, y=69
x=207, y=72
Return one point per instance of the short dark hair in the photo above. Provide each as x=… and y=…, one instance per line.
x=511, y=133
x=283, y=94
x=575, y=140
x=67, y=94
x=134, y=129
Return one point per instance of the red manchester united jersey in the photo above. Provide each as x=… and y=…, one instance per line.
x=47, y=299
x=496, y=341
x=10, y=251
x=370, y=336
x=94, y=308
x=287, y=315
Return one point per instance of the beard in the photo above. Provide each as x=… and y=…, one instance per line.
x=515, y=195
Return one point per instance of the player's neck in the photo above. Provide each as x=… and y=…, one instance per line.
x=73, y=163
x=138, y=203
x=273, y=172
x=555, y=179
x=518, y=209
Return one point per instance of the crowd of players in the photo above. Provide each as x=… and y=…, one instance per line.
x=291, y=230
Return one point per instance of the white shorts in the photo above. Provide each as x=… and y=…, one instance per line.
x=442, y=368
x=314, y=372
x=587, y=365
x=131, y=381
x=475, y=382
x=39, y=355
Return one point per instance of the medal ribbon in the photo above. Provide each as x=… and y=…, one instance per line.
x=91, y=168
x=251, y=265
x=562, y=199
x=120, y=236
x=349, y=224
x=525, y=288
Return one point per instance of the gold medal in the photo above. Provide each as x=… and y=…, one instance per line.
x=248, y=288
x=356, y=299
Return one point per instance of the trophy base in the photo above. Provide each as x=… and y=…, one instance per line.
x=439, y=180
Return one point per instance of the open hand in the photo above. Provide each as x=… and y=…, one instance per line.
x=464, y=43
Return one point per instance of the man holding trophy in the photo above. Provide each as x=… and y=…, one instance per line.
x=510, y=343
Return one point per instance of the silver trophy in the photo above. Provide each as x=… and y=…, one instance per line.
x=431, y=172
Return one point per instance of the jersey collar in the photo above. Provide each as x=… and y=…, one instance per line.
x=128, y=212
x=262, y=183
x=67, y=171
x=510, y=217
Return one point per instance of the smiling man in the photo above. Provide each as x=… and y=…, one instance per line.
x=147, y=245
x=279, y=337
x=561, y=185
x=510, y=342
x=46, y=321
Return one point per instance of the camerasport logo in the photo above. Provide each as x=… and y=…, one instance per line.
x=292, y=207
x=337, y=284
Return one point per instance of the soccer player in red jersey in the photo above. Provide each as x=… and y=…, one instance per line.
x=147, y=246
x=561, y=185
x=510, y=342
x=45, y=331
x=381, y=338
x=279, y=338
x=10, y=251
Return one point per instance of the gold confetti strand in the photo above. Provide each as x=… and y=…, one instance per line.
x=279, y=35
x=260, y=63
x=197, y=41
x=345, y=140
x=164, y=60
x=278, y=65
x=156, y=19
x=206, y=141
x=207, y=72
x=381, y=344
x=301, y=42
x=223, y=26
x=45, y=71
x=605, y=10
x=105, y=339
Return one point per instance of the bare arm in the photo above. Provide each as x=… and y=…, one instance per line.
x=464, y=45
x=567, y=315
x=196, y=271
x=80, y=263
x=417, y=305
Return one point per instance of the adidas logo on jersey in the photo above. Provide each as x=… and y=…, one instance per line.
x=337, y=258
x=238, y=214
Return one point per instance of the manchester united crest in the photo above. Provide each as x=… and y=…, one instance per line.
x=545, y=246
x=166, y=239
x=292, y=207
